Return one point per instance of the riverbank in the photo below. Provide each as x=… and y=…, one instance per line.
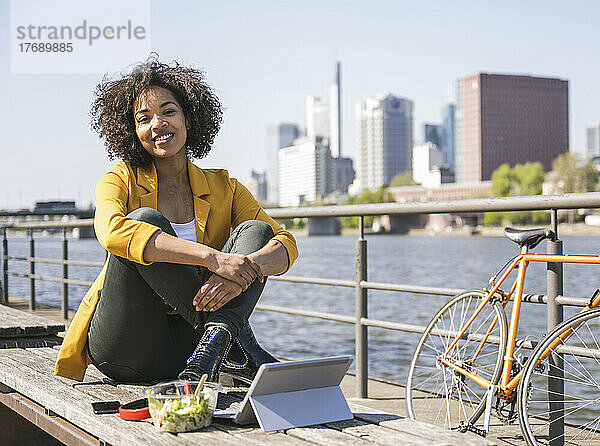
x=574, y=229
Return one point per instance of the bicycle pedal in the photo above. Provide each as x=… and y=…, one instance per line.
x=464, y=427
x=478, y=431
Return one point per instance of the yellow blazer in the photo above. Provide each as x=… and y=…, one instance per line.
x=220, y=203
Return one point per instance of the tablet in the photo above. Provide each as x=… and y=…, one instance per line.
x=281, y=387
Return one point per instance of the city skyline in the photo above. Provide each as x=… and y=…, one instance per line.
x=501, y=119
x=263, y=60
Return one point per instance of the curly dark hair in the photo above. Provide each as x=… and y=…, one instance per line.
x=112, y=109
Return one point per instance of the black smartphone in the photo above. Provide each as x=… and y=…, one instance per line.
x=104, y=407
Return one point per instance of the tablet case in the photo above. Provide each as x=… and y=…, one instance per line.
x=292, y=394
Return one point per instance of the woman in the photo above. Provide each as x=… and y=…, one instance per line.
x=179, y=285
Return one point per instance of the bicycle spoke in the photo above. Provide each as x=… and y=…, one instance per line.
x=435, y=349
x=424, y=389
x=594, y=338
x=594, y=430
x=579, y=337
x=575, y=381
x=453, y=398
x=474, y=393
x=595, y=384
x=578, y=404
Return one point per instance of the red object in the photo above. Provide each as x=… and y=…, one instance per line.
x=135, y=410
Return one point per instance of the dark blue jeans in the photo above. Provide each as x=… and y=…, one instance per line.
x=132, y=339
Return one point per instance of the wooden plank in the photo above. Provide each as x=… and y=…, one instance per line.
x=57, y=427
x=217, y=436
x=224, y=432
x=17, y=323
x=370, y=426
x=376, y=434
x=331, y=437
x=255, y=436
x=249, y=435
x=125, y=393
x=74, y=404
x=434, y=434
x=59, y=397
x=92, y=384
x=22, y=317
x=31, y=341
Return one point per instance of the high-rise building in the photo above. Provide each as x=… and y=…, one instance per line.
x=432, y=133
x=429, y=167
x=508, y=119
x=593, y=142
x=257, y=185
x=303, y=172
x=342, y=174
x=385, y=139
x=317, y=117
x=425, y=158
x=442, y=135
x=279, y=135
x=335, y=115
x=447, y=136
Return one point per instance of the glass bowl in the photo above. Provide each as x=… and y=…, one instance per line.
x=175, y=407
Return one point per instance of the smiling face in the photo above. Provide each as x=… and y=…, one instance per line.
x=159, y=122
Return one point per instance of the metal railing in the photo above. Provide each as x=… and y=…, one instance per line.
x=361, y=284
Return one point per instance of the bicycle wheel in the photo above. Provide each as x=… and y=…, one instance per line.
x=436, y=393
x=580, y=378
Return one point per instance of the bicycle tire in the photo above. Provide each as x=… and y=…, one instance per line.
x=434, y=401
x=581, y=413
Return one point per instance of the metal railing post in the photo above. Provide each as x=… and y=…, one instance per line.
x=31, y=271
x=361, y=343
x=556, y=388
x=65, y=270
x=5, y=264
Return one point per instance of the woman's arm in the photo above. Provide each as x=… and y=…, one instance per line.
x=272, y=258
x=245, y=207
x=217, y=291
x=238, y=268
x=163, y=247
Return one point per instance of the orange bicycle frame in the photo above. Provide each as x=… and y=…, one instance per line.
x=507, y=384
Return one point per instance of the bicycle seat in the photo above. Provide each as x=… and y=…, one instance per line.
x=528, y=237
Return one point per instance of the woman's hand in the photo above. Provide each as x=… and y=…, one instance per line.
x=215, y=293
x=237, y=268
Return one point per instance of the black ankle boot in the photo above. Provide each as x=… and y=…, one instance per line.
x=208, y=355
x=244, y=358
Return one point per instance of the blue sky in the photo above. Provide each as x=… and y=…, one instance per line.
x=264, y=57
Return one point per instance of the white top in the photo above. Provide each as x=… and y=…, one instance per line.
x=186, y=231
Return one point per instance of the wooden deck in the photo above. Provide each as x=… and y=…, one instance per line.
x=380, y=419
x=72, y=404
x=42, y=310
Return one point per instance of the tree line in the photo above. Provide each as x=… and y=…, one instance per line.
x=570, y=173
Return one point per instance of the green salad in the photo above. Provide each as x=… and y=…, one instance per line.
x=182, y=414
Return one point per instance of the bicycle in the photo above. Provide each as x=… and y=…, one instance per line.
x=467, y=360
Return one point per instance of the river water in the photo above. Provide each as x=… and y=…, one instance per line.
x=446, y=261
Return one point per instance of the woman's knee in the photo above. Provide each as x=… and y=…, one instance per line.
x=152, y=216
x=257, y=230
